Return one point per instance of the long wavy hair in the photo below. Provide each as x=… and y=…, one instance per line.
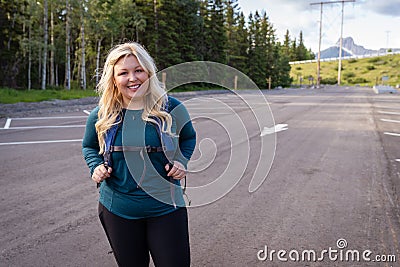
x=110, y=103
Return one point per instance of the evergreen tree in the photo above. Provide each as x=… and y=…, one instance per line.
x=231, y=24
x=301, y=50
x=293, y=51
x=203, y=14
x=168, y=34
x=11, y=33
x=286, y=44
x=149, y=36
x=189, y=30
x=269, y=44
x=124, y=20
x=257, y=58
x=215, y=34
x=240, y=46
x=298, y=51
x=282, y=67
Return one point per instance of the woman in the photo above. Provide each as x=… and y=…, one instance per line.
x=141, y=206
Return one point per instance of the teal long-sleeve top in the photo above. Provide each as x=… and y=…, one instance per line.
x=139, y=186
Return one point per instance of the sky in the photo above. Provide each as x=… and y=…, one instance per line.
x=373, y=24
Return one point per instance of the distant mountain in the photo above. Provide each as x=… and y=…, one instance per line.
x=349, y=48
x=353, y=49
x=333, y=51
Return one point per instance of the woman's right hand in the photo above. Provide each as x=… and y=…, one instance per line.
x=101, y=173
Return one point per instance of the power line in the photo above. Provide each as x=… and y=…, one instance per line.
x=320, y=37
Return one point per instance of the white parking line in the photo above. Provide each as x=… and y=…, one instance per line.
x=386, y=120
x=8, y=122
x=7, y=126
x=387, y=107
x=393, y=134
x=389, y=113
x=398, y=160
x=387, y=100
x=50, y=118
x=43, y=127
x=40, y=142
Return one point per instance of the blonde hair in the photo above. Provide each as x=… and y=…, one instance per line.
x=110, y=103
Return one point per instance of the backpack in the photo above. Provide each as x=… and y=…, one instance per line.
x=167, y=143
x=167, y=147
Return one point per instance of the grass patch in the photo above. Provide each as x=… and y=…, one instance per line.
x=195, y=86
x=329, y=80
x=11, y=96
x=374, y=59
x=362, y=71
x=358, y=80
x=348, y=75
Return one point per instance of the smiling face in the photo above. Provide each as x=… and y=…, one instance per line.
x=131, y=81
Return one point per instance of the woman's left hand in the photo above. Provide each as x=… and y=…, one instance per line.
x=178, y=171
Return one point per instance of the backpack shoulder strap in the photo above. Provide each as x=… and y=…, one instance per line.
x=167, y=141
x=109, y=141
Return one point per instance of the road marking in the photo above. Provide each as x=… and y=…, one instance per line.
x=386, y=120
x=387, y=107
x=42, y=127
x=49, y=118
x=202, y=114
x=256, y=105
x=393, y=134
x=398, y=160
x=390, y=113
x=387, y=100
x=8, y=122
x=40, y=142
x=275, y=129
x=86, y=111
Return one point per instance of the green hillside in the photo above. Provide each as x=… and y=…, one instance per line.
x=364, y=72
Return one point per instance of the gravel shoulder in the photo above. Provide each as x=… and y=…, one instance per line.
x=28, y=109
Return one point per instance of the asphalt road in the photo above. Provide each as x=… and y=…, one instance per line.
x=334, y=184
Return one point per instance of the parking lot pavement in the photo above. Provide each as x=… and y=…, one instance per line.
x=41, y=130
x=333, y=178
x=387, y=119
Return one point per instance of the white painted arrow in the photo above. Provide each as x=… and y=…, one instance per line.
x=275, y=129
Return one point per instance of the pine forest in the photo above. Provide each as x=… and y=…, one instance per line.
x=63, y=43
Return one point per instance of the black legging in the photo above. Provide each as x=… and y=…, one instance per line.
x=165, y=237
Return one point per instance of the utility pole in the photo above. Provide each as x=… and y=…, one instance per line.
x=319, y=49
x=387, y=41
x=320, y=37
x=340, y=49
